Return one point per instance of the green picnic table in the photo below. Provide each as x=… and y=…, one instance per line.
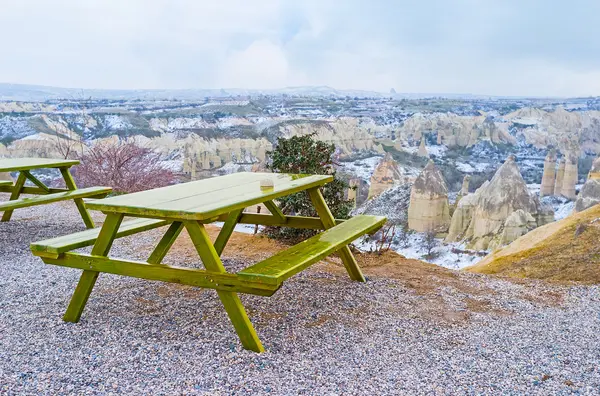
x=191, y=206
x=44, y=194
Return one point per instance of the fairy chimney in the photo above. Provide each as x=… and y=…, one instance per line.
x=590, y=192
x=465, y=185
x=428, y=209
x=549, y=174
x=570, y=178
x=386, y=174
x=560, y=174
x=422, y=149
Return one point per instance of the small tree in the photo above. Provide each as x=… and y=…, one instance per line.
x=126, y=167
x=429, y=244
x=305, y=155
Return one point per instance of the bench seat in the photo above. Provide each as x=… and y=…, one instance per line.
x=287, y=263
x=56, y=246
x=54, y=197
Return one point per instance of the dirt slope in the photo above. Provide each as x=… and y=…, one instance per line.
x=567, y=250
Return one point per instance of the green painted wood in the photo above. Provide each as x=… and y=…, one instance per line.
x=275, y=211
x=313, y=223
x=21, y=164
x=56, y=246
x=227, y=230
x=6, y=183
x=31, y=190
x=163, y=272
x=49, y=198
x=14, y=196
x=287, y=263
x=36, y=181
x=88, y=278
x=231, y=301
x=208, y=198
x=165, y=243
x=70, y=183
x=329, y=221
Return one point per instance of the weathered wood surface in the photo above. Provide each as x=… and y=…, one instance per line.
x=21, y=164
x=289, y=262
x=208, y=198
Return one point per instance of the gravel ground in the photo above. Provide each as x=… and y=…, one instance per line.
x=323, y=334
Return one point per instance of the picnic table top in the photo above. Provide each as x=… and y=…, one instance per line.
x=20, y=164
x=207, y=198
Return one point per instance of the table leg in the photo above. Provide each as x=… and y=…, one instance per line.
x=16, y=192
x=231, y=301
x=161, y=250
x=88, y=278
x=329, y=221
x=232, y=220
x=70, y=183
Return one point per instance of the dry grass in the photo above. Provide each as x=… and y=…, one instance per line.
x=567, y=251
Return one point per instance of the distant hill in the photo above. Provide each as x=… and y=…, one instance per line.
x=23, y=92
x=566, y=250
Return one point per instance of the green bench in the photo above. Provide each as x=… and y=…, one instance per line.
x=55, y=197
x=278, y=268
x=56, y=246
x=6, y=183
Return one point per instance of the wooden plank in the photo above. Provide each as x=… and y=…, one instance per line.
x=328, y=221
x=275, y=211
x=21, y=164
x=70, y=183
x=231, y=301
x=227, y=230
x=56, y=246
x=49, y=198
x=36, y=181
x=165, y=243
x=165, y=273
x=88, y=277
x=16, y=192
x=205, y=199
x=32, y=190
x=287, y=263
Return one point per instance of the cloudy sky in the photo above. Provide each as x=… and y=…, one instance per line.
x=492, y=47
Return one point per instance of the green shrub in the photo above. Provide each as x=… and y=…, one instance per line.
x=305, y=155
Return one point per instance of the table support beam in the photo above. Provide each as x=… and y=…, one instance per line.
x=232, y=219
x=231, y=301
x=70, y=183
x=329, y=221
x=88, y=278
x=165, y=243
x=16, y=192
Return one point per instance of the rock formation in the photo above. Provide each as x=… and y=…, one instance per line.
x=428, y=209
x=560, y=174
x=549, y=174
x=465, y=185
x=570, y=178
x=485, y=218
x=422, y=149
x=386, y=174
x=590, y=192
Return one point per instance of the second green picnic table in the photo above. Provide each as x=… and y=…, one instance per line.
x=191, y=206
x=44, y=194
